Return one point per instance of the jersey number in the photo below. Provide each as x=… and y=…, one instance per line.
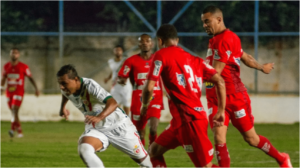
x=191, y=79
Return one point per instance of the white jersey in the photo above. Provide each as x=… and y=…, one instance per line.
x=91, y=101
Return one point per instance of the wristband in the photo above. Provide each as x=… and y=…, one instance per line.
x=145, y=105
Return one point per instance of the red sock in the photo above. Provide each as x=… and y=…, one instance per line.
x=158, y=162
x=13, y=126
x=222, y=155
x=18, y=127
x=143, y=142
x=266, y=146
x=152, y=138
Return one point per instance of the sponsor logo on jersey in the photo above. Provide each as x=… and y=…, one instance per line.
x=147, y=65
x=126, y=70
x=188, y=148
x=228, y=52
x=237, y=61
x=216, y=55
x=13, y=76
x=209, y=85
x=136, y=117
x=181, y=79
x=210, y=110
x=158, y=65
x=136, y=149
x=198, y=108
x=142, y=75
x=211, y=152
x=156, y=106
x=240, y=113
x=209, y=52
x=12, y=88
x=266, y=147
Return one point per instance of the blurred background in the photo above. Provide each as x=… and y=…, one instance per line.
x=50, y=34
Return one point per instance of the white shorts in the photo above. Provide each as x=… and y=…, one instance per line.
x=124, y=137
x=122, y=94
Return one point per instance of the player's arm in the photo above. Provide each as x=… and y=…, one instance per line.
x=218, y=66
x=34, y=85
x=146, y=95
x=124, y=71
x=3, y=83
x=108, y=78
x=63, y=112
x=122, y=80
x=219, y=83
x=249, y=61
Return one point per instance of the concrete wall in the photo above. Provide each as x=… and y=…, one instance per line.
x=266, y=109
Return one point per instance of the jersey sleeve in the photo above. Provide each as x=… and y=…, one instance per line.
x=27, y=71
x=223, y=52
x=97, y=91
x=156, y=67
x=125, y=69
x=208, y=71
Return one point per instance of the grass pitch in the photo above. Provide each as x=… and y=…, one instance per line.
x=54, y=144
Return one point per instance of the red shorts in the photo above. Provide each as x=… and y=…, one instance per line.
x=238, y=110
x=14, y=99
x=140, y=123
x=192, y=136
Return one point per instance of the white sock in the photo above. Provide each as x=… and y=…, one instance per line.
x=88, y=156
x=146, y=162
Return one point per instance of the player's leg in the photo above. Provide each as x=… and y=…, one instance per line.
x=222, y=153
x=244, y=122
x=90, y=142
x=153, y=114
x=12, y=124
x=15, y=106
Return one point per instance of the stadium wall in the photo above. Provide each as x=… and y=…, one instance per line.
x=266, y=109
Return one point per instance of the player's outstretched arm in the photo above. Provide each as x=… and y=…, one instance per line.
x=63, y=112
x=219, y=83
x=2, y=84
x=249, y=61
x=37, y=93
x=146, y=96
x=108, y=78
x=110, y=107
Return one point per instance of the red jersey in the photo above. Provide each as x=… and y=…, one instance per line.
x=226, y=47
x=182, y=79
x=15, y=77
x=137, y=68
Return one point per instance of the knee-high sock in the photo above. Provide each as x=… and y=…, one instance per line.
x=18, y=127
x=266, y=146
x=146, y=162
x=222, y=155
x=158, y=161
x=88, y=156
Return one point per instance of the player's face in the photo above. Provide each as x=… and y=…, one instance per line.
x=67, y=85
x=160, y=43
x=118, y=52
x=210, y=23
x=145, y=43
x=14, y=55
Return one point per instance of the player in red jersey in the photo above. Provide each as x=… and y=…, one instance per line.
x=225, y=54
x=136, y=68
x=14, y=72
x=182, y=80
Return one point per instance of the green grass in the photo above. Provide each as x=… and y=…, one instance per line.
x=54, y=144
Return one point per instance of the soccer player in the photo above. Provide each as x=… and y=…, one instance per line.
x=121, y=93
x=14, y=72
x=225, y=54
x=105, y=123
x=136, y=68
x=182, y=77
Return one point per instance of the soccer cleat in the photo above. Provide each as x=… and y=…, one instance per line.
x=20, y=135
x=287, y=161
x=11, y=133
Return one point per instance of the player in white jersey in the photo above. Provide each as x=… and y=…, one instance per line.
x=121, y=93
x=105, y=122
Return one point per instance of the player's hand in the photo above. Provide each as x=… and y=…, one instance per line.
x=37, y=93
x=143, y=111
x=267, y=68
x=218, y=119
x=64, y=113
x=92, y=119
x=2, y=91
x=106, y=80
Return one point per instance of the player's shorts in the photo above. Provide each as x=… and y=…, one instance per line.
x=141, y=123
x=14, y=99
x=122, y=94
x=192, y=136
x=124, y=137
x=238, y=110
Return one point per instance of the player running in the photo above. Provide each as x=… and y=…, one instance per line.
x=121, y=93
x=182, y=77
x=136, y=68
x=225, y=53
x=105, y=123
x=14, y=72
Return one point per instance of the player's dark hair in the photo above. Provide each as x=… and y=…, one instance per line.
x=211, y=9
x=68, y=69
x=145, y=35
x=167, y=31
x=15, y=49
x=119, y=46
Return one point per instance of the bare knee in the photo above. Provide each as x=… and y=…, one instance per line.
x=156, y=150
x=252, y=140
x=153, y=125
